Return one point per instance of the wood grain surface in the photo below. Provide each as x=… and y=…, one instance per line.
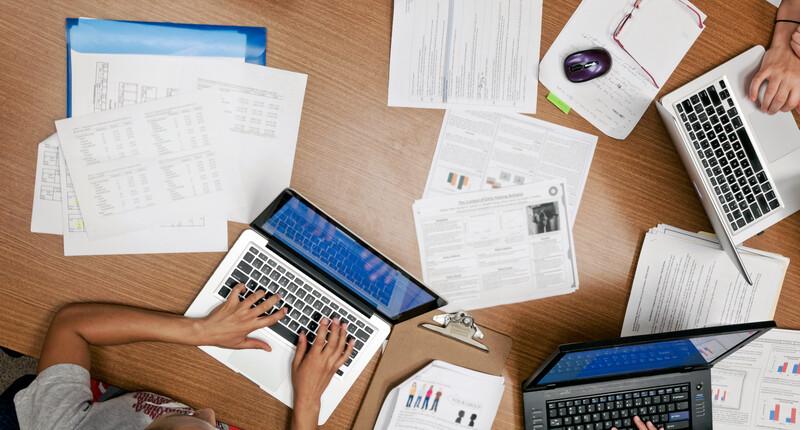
x=361, y=161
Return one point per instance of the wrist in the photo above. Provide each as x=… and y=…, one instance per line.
x=197, y=332
x=782, y=35
x=305, y=414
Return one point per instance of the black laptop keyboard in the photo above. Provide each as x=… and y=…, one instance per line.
x=729, y=159
x=306, y=303
x=667, y=407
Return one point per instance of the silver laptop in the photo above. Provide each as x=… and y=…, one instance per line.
x=319, y=269
x=744, y=164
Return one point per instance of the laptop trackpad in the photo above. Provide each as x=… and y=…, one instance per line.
x=267, y=369
x=777, y=134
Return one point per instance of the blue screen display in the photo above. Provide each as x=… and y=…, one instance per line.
x=644, y=357
x=340, y=256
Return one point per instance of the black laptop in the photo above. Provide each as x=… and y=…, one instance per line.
x=664, y=378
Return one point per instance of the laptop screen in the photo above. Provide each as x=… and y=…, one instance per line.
x=643, y=357
x=342, y=257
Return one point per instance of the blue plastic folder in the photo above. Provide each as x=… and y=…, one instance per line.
x=162, y=38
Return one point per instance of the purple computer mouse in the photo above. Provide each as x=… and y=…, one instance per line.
x=586, y=65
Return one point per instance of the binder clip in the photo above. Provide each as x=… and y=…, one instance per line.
x=459, y=326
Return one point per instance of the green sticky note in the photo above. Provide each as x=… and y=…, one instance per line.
x=563, y=107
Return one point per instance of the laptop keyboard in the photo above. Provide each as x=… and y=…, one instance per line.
x=729, y=159
x=667, y=407
x=306, y=304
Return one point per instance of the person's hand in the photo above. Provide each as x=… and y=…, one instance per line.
x=641, y=425
x=313, y=368
x=780, y=67
x=227, y=326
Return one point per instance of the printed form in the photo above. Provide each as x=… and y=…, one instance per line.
x=263, y=107
x=146, y=164
x=107, y=81
x=495, y=247
x=684, y=281
x=485, y=150
x=46, y=213
x=472, y=54
x=758, y=386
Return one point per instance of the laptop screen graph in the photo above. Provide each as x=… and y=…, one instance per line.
x=302, y=229
x=642, y=357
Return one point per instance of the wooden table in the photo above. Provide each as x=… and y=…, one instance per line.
x=379, y=157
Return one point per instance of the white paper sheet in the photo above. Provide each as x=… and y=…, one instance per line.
x=499, y=246
x=263, y=106
x=747, y=386
x=103, y=82
x=483, y=150
x=443, y=396
x=684, y=280
x=147, y=164
x=660, y=33
x=476, y=54
x=46, y=213
x=207, y=233
x=615, y=102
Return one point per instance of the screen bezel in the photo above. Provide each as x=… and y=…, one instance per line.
x=532, y=383
x=323, y=278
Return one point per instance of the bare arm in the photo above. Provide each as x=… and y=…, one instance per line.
x=77, y=326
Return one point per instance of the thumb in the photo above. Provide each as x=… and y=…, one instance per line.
x=250, y=343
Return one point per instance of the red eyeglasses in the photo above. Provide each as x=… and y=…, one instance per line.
x=629, y=15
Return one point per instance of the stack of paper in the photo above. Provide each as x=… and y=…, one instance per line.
x=758, y=386
x=684, y=280
x=442, y=396
x=495, y=222
x=162, y=150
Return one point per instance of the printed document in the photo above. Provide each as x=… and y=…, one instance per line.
x=46, y=213
x=146, y=164
x=684, y=281
x=615, y=102
x=758, y=386
x=103, y=82
x=202, y=233
x=263, y=107
x=442, y=396
x=484, y=150
x=500, y=246
x=471, y=54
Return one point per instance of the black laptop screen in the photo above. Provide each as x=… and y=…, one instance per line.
x=642, y=357
x=342, y=257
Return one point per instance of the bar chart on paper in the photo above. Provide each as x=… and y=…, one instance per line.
x=785, y=366
x=779, y=412
x=726, y=388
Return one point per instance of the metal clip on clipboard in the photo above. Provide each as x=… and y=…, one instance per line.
x=459, y=326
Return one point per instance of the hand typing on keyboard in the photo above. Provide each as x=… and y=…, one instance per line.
x=227, y=326
x=641, y=425
x=313, y=368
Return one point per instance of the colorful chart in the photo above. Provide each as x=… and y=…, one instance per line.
x=785, y=366
x=457, y=181
x=726, y=388
x=780, y=412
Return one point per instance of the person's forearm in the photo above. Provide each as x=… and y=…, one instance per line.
x=75, y=327
x=782, y=35
x=105, y=324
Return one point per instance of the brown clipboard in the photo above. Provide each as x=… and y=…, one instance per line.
x=411, y=347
